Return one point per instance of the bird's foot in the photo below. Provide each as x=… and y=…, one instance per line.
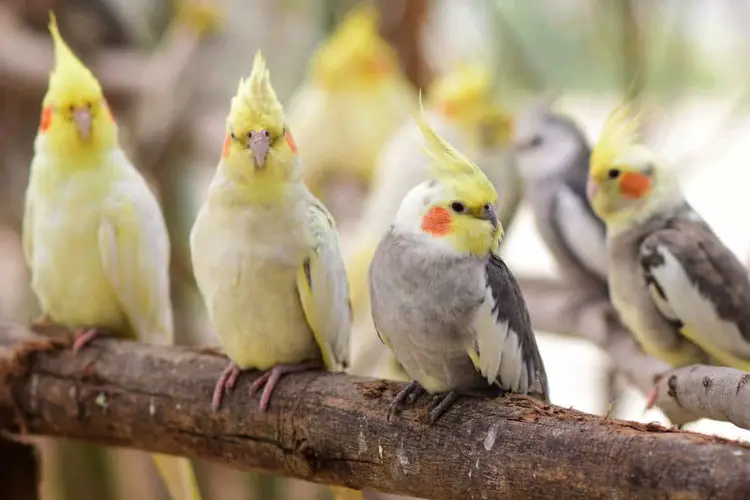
x=407, y=396
x=440, y=403
x=83, y=336
x=225, y=384
x=270, y=378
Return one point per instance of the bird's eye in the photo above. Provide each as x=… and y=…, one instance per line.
x=486, y=207
x=458, y=207
x=613, y=173
x=88, y=105
x=266, y=133
x=536, y=141
x=72, y=108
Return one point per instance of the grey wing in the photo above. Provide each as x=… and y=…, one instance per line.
x=699, y=285
x=506, y=347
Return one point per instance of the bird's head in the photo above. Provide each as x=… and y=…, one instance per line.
x=355, y=57
x=76, y=120
x=463, y=95
x=626, y=181
x=258, y=148
x=457, y=209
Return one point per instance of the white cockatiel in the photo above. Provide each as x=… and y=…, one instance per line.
x=442, y=299
x=677, y=287
x=462, y=109
x=553, y=159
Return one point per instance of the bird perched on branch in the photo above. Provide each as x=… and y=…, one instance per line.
x=461, y=107
x=553, y=159
x=442, y=299
x=266, y=253
x=677, y=287
x=93, y=233
x=352, y=100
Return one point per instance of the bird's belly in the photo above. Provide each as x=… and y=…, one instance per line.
x=259, y=317
x=68, y=278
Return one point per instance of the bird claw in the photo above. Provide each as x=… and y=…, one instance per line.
x=84, y=336
x=225, y=384
x=440, y=403
x=407, y=396
x=270, y=378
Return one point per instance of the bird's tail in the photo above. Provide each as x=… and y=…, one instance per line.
x=178, y=475
x=343, y=493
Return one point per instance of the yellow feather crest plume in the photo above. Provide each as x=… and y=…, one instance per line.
x=69, y=78
x=468, y=84
x=621, y=132
x=256, y=100
x=449, y=165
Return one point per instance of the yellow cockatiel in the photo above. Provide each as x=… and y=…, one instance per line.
x=266, y=253
x=352, y=100
x=93, y=233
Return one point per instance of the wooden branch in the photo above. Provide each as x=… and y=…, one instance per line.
x=555, y=308
x=334, y=428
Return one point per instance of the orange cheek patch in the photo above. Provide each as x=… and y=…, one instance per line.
x=447, y=109
x=227, y=145
x=46, y=121
x=634, y=186
x=290, y=142
x=437, y=221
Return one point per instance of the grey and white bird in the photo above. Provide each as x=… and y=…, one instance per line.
x=683, y=294
x=442, y=299
x=553, y=160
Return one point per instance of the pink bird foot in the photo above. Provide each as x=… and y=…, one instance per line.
x=225, y=384
x=272, y=377
x=83, y=336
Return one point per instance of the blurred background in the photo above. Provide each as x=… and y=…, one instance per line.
x=170, y=68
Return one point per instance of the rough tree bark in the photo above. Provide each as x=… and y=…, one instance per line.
x=335, y=429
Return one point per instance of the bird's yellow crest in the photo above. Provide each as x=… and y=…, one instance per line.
x=620, y=132
x=255, y=105
x=69, y=79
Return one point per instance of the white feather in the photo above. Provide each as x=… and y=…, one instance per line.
x=581, y=232
x=697, y=311
x=512, y=365
x=490, y=339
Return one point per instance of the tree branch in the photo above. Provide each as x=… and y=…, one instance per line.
x=333, y=428
x=555, y=308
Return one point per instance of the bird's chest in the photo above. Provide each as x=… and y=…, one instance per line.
x=67, y=274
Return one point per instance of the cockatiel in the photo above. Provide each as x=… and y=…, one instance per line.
x=461, y=108
x=553, y=159
x=352, y=100
x=266, y=253
x=93, y=233
x=442, y=299
x=676, y=286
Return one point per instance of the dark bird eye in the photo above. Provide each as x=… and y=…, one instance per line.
x=457, y=207
x=536, y=141
x=613, y=173
x=266, y=133
x=88, y=105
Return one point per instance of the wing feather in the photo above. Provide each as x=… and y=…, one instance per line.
x=134, y=248
x=698, y=284
x=324, y=291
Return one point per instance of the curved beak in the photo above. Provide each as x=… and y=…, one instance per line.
x=490, y=214
x=258, y=144
x=82, y=120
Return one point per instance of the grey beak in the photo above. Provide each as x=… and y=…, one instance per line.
x=258, y=144
x=490, y=214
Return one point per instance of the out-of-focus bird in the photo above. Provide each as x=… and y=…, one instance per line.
x=93, y=233
x=442, y=299
x=677, y=287
x=461, y=107
x=352, y=100
x=266, y=254
x=553, y=159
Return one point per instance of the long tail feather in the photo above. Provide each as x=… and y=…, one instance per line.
x=179, y=477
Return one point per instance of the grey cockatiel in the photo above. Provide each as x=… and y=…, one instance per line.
x=676, y=286
x=553, y=160
x=442, y=300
